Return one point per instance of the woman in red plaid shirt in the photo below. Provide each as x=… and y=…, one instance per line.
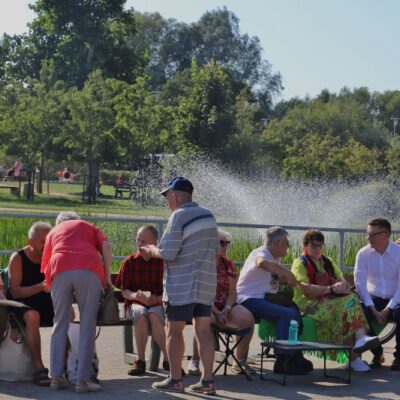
x=141, y=282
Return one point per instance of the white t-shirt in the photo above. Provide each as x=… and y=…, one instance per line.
x=253, y=281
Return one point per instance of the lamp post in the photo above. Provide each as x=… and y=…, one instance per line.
x=395, y=122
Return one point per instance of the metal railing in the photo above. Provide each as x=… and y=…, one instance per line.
x=160, y=223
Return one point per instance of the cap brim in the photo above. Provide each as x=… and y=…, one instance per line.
x=164, y=192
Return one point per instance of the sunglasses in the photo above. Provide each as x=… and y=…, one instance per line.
x=223, y=243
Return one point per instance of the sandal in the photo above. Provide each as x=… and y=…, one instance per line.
x=41, y=377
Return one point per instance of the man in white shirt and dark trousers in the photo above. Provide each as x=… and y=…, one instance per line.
x=377, y=280
x=260, y=275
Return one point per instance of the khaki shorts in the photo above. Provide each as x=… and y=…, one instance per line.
x=135, y=311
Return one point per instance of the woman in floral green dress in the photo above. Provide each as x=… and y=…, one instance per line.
x=324, y=295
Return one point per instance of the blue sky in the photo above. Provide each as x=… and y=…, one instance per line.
x=314, y=44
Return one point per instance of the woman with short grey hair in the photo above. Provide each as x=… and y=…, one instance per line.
x=72, y=266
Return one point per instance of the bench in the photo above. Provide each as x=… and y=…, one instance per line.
x=13, y=189
x=123, y=188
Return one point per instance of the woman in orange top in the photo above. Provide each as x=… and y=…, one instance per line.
x=72, y=266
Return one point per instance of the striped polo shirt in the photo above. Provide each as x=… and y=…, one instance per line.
x=188, y=247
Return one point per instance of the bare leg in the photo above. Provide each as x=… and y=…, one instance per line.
x=141, y=336
x=32, y=337
x=175, y=347
x=196, y=355
x=158, y=333
x=206, y=345
x=240, y=318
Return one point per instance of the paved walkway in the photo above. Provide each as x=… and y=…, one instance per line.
x=376, y=384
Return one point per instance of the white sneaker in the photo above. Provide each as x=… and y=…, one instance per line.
x=194, y=368
x=87, y=386
x=359, y=365
x=237, y=370
x=365, y=343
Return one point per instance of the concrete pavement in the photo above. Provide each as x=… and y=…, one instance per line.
x=376, y=384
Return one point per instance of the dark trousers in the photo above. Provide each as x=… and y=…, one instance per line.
x=380, y=304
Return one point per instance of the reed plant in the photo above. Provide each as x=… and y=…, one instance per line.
x=13, y=236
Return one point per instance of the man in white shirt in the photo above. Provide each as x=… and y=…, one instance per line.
x=259, y=276
x=377, y=280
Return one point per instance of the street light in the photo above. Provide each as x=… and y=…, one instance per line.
x=395, y=121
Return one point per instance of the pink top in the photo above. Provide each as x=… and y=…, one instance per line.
x=71, y=245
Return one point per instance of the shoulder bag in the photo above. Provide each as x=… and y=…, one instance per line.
x=108, y=309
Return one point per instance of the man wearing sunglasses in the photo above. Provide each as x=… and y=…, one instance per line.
x=377, y=280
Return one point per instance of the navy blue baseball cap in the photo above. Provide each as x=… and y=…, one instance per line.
x=178, y=183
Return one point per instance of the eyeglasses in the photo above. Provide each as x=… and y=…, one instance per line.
x=316, y=245
x=372, y=235
x=223, y=243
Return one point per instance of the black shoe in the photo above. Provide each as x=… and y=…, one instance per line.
x=299, y=359
x=377, y=361
x=291, y=367
x=396, y=364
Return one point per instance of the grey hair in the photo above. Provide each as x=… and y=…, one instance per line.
x=273, y=234
x=39, y=227
x=184, y=197
x=222, y=233
x=66, y=216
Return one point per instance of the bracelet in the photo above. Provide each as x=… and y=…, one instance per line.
x=229, y=308
x=331, y=289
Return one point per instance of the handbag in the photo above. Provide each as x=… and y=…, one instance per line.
x=283, y=297
x=108, y=309
x=15, y=359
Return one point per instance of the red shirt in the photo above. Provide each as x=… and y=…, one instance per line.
x=225, y=269
x=72, y=245
x=138, y=274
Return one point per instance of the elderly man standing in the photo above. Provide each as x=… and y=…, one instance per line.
x=377, y=280
x=260, y=276
x=188, y=248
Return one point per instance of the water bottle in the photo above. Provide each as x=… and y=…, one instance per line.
x=293, y=331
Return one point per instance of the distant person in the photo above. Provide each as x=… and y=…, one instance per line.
x=27, y=286
x=17, y=168
x=2, y=172
x=68, y=176
x=377, y=280
x=324, y=296
x=225, y=312
x=73, y=268
x=138, y=275
x=188, y=247
x=260, y=276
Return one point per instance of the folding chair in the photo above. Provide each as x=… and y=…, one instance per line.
x=226, y=336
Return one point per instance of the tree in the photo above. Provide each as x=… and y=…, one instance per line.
x=89, y=133
x=172, y=45
x=32, y=121
x=205, y=117
x=78, y=37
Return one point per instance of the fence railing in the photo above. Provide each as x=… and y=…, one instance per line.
x=160, y=223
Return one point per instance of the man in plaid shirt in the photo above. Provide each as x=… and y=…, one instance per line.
x=140, y=279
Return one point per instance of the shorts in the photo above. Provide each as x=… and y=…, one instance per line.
x=135, y=311
x=19, y=312
x=186, y=312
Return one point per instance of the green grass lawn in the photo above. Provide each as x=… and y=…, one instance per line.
x=61, y=196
